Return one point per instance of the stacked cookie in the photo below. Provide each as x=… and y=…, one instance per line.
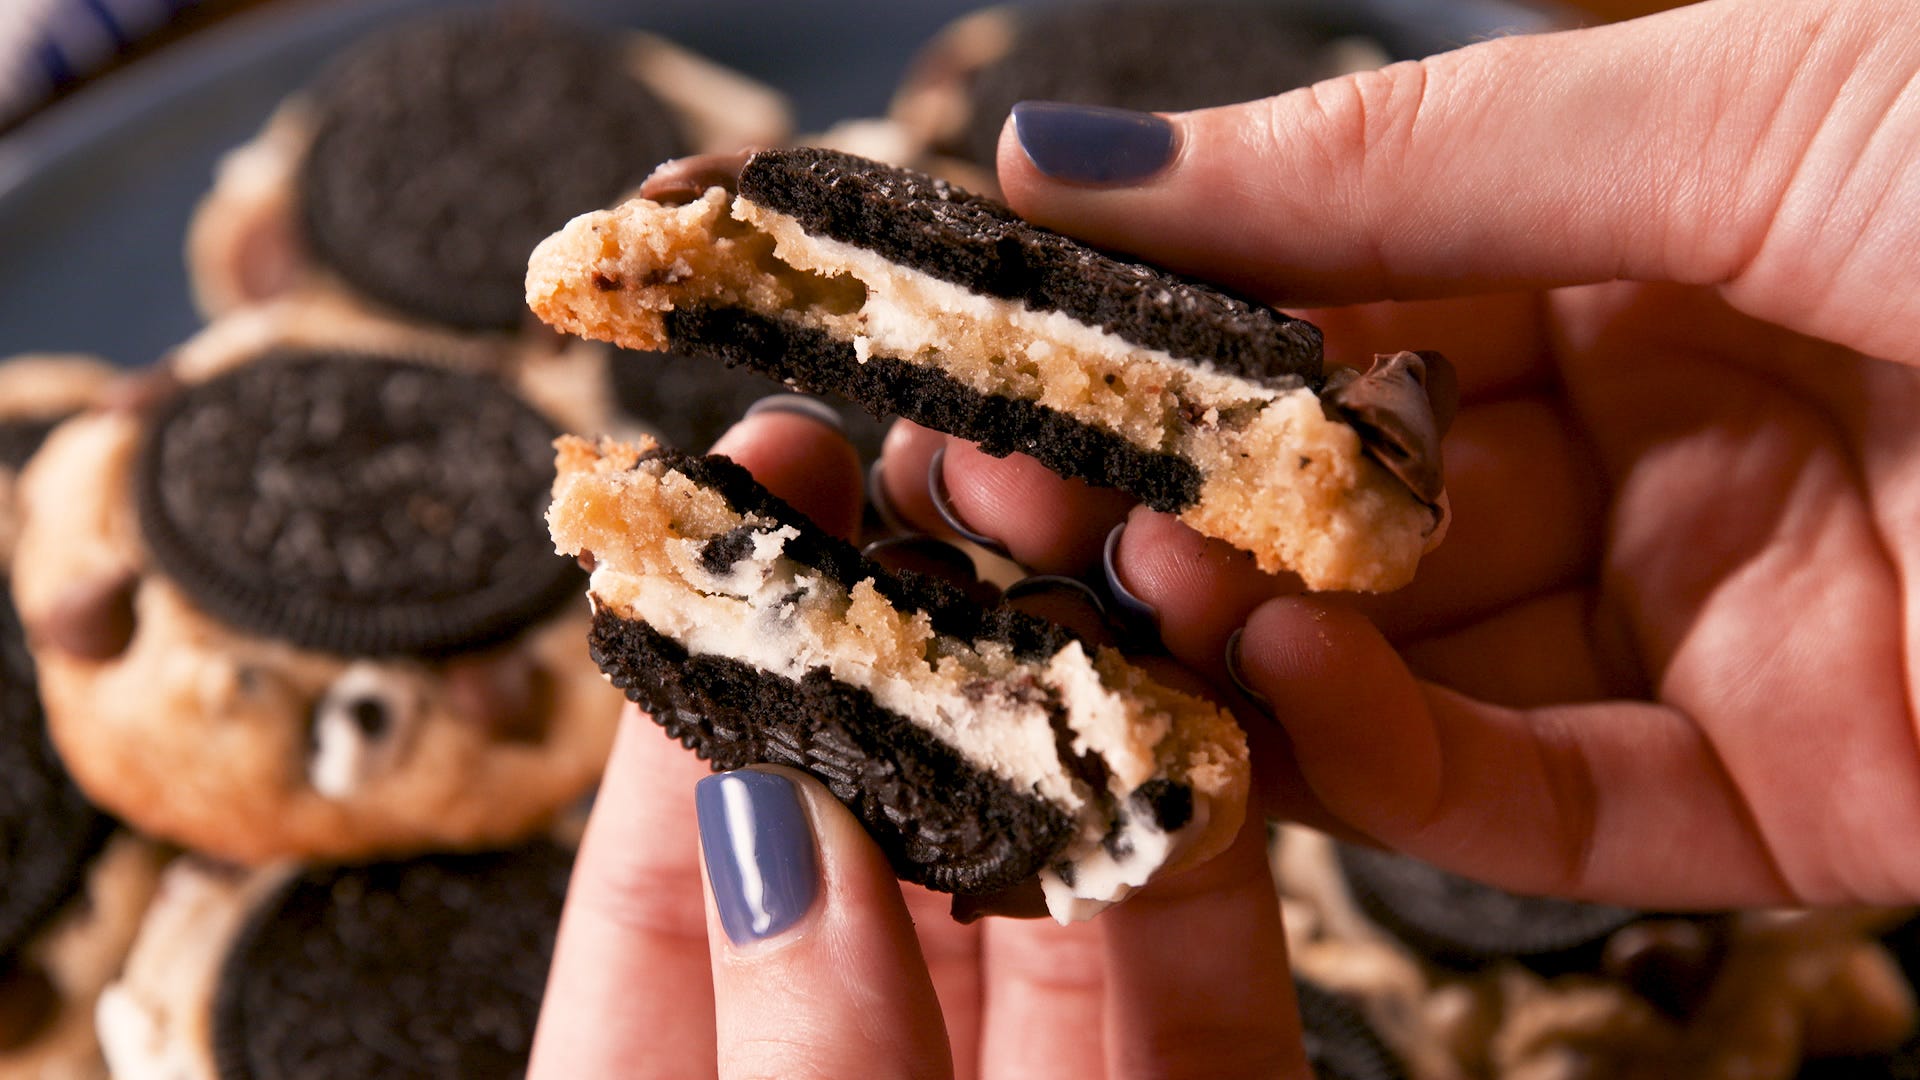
x=289, y=593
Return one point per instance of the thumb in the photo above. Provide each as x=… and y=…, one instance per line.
x=1745, y=143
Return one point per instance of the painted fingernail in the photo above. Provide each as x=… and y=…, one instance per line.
x=922, y=554
x=1240, y=680
x=1068, y=601
x=759, y=852
x=799, y=405
x=1092, y=144
x=1129, y=605
x=881, y=502
x=943, y=505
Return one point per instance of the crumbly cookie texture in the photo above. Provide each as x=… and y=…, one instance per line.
x=656, y=536
x=1279, y=477
x=252, y=749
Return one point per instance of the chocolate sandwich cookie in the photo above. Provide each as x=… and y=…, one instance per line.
x=981, y=746
x=430, y=967
x=1462, y=923
x=1157, y=55
x=420, y=168
x=913, y=297
x=299, y=603
x=1340, y=1044
x=689, y=402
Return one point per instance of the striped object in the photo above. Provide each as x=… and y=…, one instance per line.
x=46, y=45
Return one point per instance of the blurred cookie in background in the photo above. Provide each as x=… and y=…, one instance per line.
x=292, y=596
x=428, y=967
x=1466, y=980
x=1154, y=55
x=37, y=391
x=418, y=170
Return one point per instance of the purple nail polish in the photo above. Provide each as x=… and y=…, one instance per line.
x=943, y=505
x=1123, y=598
x=882, y=504
x=1092, y=144
x=799, y=405
x=759, y=852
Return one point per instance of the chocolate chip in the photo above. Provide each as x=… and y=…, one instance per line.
x=370, y=716
x=93, y=620
x=28, y=1002
x=507, y=694
x=1670, y=962
x=686, y=179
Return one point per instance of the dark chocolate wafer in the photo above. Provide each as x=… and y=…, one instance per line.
x=354, y=504
x=432, y=967
x=1340, y=1044
x=48, y=830
x=442, y=152
x=1462, y=923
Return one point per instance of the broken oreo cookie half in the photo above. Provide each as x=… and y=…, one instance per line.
x=353, y=504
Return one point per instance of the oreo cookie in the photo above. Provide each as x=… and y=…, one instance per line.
x=48, y=830
x=354, y=504
x=915, y=298
x=691, y=402
x=1153, y=56
x=1340, y=1044
x=432, y=967
x=1460, y=923
x=442, y=152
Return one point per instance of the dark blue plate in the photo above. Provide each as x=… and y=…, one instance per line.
x=95, y=192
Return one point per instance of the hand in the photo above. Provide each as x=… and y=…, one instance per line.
x=1667, y=654
x=850, y=974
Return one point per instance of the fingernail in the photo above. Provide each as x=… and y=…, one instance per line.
x=1068, y=601
x=1239, y=680
x=1092, y=144
x=943, y=505
x=882, y=504
x=759, y=852
x=799, y=405
x=922, y=554
x=1130, y=605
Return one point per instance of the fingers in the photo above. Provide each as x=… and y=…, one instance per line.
x=1045, y=1000
x=1670, y=148
x=996, y=498
x=1616, y=801
x=795, y=447
x=816, y=969
x=1198, y=983
x=629, y=978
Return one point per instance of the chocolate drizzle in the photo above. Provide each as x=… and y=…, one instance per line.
x=1401, y=407
x=682, y=180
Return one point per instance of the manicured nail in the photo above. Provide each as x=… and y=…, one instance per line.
x=1068, y=601
x=799, y=405
x=1239, y=680
x=943, y=505
x=923, y=554
x=1092, y=144
x=882, y=503
x=759, y=852
x=1130, y=605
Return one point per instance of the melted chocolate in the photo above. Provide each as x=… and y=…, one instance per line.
x=682, y=180
x=1401, y=407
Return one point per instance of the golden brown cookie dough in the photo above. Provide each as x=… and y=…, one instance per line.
x=245, y=746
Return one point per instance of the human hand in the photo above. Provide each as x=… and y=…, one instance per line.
x=837, y=970
x=1665, y=656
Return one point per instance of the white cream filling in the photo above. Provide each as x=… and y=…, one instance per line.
x=913, y=316
x=770, y=611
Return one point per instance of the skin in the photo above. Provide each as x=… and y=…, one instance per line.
x=1665, y=658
